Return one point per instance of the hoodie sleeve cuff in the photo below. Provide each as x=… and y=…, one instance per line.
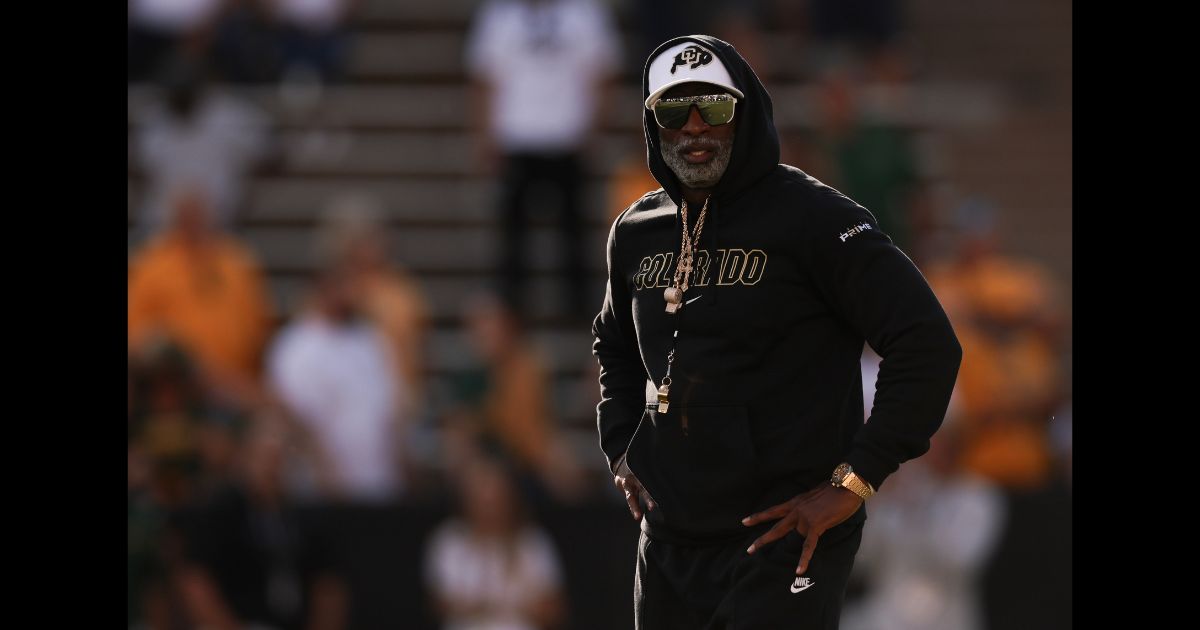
x=871, y=468
x=615, y=448
x=618, y=465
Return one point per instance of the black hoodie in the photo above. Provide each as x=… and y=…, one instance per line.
x=791, y=278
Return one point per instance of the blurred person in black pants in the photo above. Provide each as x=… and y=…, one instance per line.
x=158, y=29
x=540, y=70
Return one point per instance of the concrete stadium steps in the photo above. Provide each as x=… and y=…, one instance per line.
x=1008, y=40
x=409, y=152
x=451, y=262
x=401, y=13
x=438, y=112
x=408, y=55
x=406, y=201
x=430, y=54
x=330, y=153
x=449, y=293
x=464, y=249
x=1023, y=164
x=1025, y=169
x=435, y=53
x=396, y=106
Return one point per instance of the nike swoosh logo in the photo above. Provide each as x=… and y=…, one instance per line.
x=796, y=589
x=693, y=299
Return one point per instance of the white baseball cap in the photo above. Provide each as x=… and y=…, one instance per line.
x=684, y=63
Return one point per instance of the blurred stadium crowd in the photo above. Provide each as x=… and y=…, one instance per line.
x=365, y=246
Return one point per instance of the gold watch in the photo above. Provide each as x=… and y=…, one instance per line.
x=845, y=477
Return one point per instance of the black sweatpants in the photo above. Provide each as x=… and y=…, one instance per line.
x=720, y=587
x=563, y=174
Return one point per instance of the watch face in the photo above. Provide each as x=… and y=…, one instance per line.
x=839, y=473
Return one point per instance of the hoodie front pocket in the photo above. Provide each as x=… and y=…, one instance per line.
x=703, y=478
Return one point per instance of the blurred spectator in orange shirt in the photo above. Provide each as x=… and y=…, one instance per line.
x=504, y=403
x=1009, y=321
x=205, y=290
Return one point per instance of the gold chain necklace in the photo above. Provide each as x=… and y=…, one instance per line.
x=674, y=295
x=683, y=267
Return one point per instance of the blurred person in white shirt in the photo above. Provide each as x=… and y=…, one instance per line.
x=195, y=138
x=491, y=568
x=334, y=372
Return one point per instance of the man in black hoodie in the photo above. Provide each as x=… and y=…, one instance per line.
x=739, y=297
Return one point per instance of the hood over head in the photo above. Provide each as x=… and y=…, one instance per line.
x=756, y=143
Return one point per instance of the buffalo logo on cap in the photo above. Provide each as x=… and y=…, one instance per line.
x=694, y=55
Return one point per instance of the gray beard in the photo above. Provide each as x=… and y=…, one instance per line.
x=697, y=175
